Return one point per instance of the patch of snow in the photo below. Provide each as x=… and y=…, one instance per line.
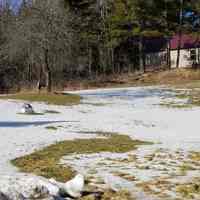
x=132, y=111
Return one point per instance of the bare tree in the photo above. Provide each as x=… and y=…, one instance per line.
x=43, y=37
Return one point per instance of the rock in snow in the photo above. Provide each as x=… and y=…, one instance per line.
x=73, y=188
x=4, y=197
x=27, y=109
x=23, y=186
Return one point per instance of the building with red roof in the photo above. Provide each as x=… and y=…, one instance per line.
x=187, y=42
x=189, y=53
x=156, y=51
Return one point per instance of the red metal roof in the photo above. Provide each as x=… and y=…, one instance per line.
x=188, y=42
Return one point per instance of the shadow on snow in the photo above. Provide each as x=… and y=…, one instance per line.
x=18, y=124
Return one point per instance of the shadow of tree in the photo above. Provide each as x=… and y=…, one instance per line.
x=18, y=124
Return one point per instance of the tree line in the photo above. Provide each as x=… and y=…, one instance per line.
x=50, y=41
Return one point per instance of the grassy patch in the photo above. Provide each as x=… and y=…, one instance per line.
x=174, y=77
x=193, y=97
x=185, y=168
x=34, y=113
x=57, y=99
x=52, y=128
x=190, y=84
x=190, y=92
x=111, y=195
x=157, y=187
x=175, y=105
x=189, y=99
x=189, y=190
x=45, y=162
x=195, y=156
x=125, y=176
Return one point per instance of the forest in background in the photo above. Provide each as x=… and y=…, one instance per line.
x=47, y=42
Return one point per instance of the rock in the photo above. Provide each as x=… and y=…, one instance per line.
x=27, y=109
x=4, y=197
x=73, y=188
x=23, y=186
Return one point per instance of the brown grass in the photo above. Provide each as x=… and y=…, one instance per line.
x=167, y=77
x=171, y=77
x=111, y=195
x=45, y=162
x=57, y=99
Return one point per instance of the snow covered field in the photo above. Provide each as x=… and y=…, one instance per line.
x=136, y=112
x=133, y=111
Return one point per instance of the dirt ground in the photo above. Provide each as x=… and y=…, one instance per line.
x=168, y=77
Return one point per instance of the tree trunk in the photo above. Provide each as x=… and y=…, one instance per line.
x=179, y=34
x=48, y=72
x=142, y=55
x=118, y=68
x=112, y=61
x=168, y=54
x=90, y=60
x=39, y=84
x=144, y=61
x=29, y=76
x=179, y=49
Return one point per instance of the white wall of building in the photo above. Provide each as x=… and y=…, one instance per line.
x=185, y=58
